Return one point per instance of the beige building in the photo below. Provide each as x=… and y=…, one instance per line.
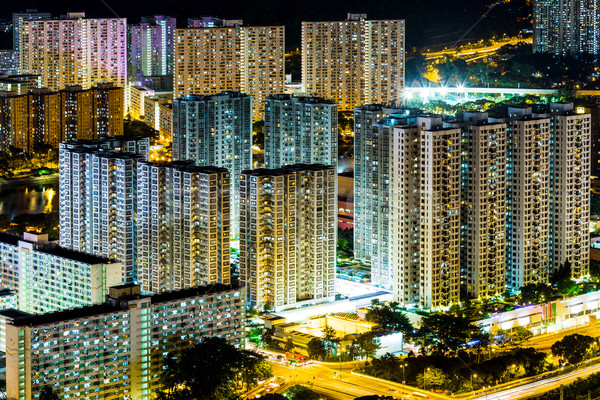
x=483, y=211
x=425, y=220
x=354, y=62
x=528, y=202
x=288, y=235
x=74, y=51
x=245, y=59
x=46, y=117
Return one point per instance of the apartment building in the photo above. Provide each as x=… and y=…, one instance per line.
x=300, y=130
x=74, y=51
x=48, y=278
x=115, y=350
x=237, y=58
x=215, y=131
x=354, y=62
x=288, y=235
x=98, y=186
x=182, y=226
x=151, y=46
x=425, y=213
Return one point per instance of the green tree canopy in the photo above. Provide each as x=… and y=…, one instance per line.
x=300, y=392
x=389, y=317
x=574, y=348
x=446, y=333
x=48, y=393
x=368, y=345
x=211, y=370
x=316, y=348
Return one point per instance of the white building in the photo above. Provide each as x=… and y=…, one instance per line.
x=215, y=131
x=115, y=350
x=300, y=130
x=182, y=226
x=151, y=46
x=288, y=235
x=97, y=189
x=570, y=189
x=47, y=278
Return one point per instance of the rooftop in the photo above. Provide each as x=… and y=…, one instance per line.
x=287, y=169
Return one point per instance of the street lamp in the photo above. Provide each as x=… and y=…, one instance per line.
x=425, y=378
x=404, y=375
x=473, y=376
x=340, y=355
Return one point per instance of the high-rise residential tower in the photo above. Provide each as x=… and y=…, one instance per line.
x=215, y=131
x=151, y=46
x=569, y=189
x=483, y=210
x=424, y=220
x=42, y=116
x=245, y=59
x=182, y=226
x=28, y=15
x=566, y=26
x=74, y=51
x=372, y=189
x=300, y=130
x=97, y=189
x=354, y=62
x=288, y=235
x=527, y=217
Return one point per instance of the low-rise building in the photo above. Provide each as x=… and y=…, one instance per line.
x=115, y=350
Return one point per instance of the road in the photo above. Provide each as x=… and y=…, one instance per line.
x=324, y=380
x=539, y=387
x=485, y=49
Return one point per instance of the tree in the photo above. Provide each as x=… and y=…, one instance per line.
x=289, y=345
x=267, y=337
x=446, y=333
x=520, y=336
x=209, y=370
x=273, y=396
x=48, y=393
x=316, y=349
x=536, y=293
x=574, y=348
x=389, y=317
x=330, y=339
x=368, y=345
x=300, y=392
x=432, y=378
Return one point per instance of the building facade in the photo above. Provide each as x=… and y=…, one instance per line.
x=245, y=59
x=116, y=348
x=354, y=62
x=74, y=51
x=48, y=278
x=566, y=26
x=45, y=117
x=527, y=228
x=483, y=210
x=570, y=190
x=215, y=131
x=424, y=227
x=372, y=187
x=97, y=189
x=182, y=226
x=151, y=46
x=300, y=130
x=28, y=15
x=288, y=235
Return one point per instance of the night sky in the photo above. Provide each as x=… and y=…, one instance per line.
x=427, y=21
